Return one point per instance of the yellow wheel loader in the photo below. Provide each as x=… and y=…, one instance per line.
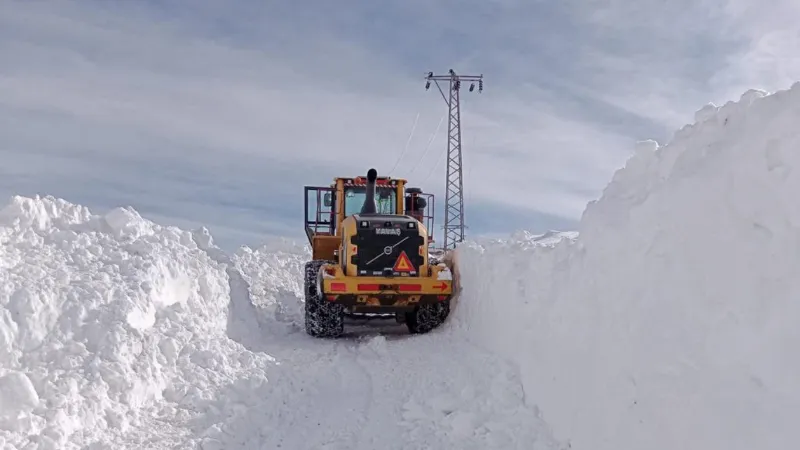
x=370, y=256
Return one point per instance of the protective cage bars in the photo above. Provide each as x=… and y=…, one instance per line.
x=324, y=220
x=319, y=225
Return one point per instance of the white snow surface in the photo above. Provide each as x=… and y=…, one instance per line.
x=118, y=333
x=668, y=320
x=671, y=320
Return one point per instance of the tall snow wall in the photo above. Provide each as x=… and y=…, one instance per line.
x=672, y=321
x=115, y=330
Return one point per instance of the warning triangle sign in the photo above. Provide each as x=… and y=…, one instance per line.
x=403, y=264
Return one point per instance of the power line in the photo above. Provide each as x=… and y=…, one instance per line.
x=427, y=148
x=410, y=135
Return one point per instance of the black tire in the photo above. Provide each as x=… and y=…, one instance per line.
x=427, y=317
x=323, y=318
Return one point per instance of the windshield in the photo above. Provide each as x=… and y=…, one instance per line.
x=354, y=198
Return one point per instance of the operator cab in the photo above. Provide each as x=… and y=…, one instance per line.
x=327, y=206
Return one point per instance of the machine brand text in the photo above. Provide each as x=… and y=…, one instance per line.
x=392, y=231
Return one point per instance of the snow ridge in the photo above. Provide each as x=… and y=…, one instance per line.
x=108, y=324
x=671, y=320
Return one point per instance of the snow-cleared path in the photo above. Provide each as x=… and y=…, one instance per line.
x=377, y=387
x=376, y=392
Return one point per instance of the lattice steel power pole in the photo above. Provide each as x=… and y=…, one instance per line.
x=454, y=197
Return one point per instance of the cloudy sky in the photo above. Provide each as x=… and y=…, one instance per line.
x=218, y=113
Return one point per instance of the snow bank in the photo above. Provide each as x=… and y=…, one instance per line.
x=672, y=320
x=275, y=274
x=110, y=326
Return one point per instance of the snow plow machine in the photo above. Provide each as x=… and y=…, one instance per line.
x=371, y=256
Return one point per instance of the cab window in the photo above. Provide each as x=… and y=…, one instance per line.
x=354, y=198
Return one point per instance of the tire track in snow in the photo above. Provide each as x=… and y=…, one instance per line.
x=315, y=400
x=420, y=393
x=449, y=394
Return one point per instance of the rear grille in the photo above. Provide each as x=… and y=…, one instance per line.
x=381, y=246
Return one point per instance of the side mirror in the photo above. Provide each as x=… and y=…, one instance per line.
x=327, y=199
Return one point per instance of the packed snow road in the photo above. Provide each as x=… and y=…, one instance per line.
x=377, y=387
x=378, y=392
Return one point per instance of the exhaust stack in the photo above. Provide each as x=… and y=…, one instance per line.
x=369, y=206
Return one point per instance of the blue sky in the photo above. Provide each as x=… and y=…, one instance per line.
x=218, y=113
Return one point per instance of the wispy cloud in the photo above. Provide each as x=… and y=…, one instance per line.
x=218, y=115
